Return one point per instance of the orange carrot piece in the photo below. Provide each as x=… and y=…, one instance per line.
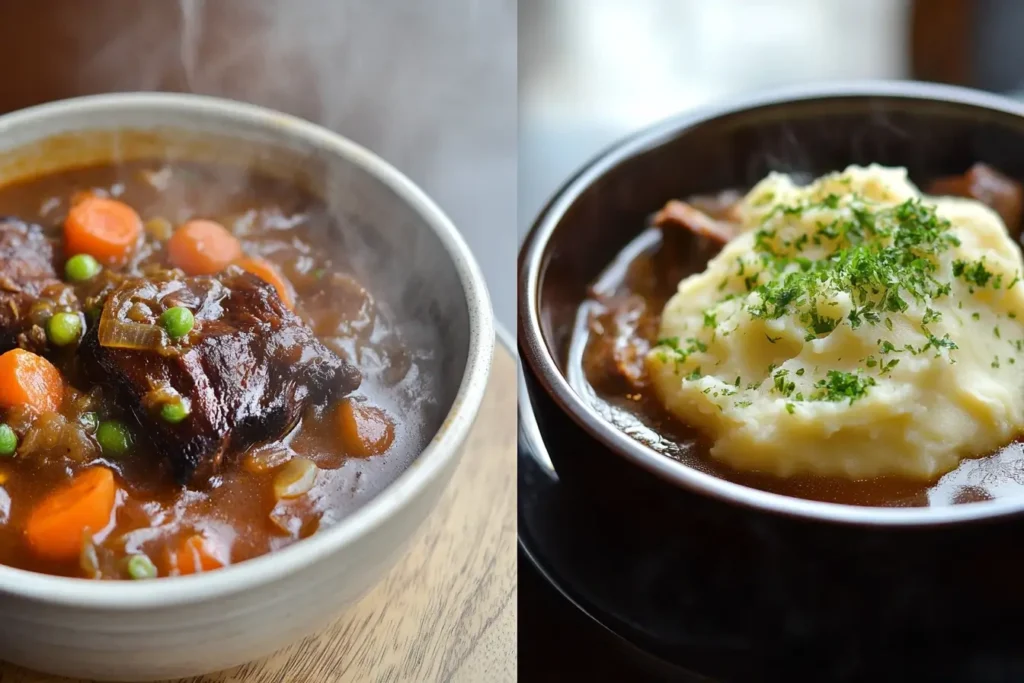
x=57, y=525
x=28, y=379
x=365, y=430
x=268, y=272
x=106, y=229
x=196, y=554
x=202, y=247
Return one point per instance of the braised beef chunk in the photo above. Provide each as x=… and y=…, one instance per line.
x=1002, y=194
x=26, y=273
x=680, y=215
x=622, y=331
x=246, y=371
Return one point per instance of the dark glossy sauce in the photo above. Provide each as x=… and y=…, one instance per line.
x=619, y=321
x=237, y=509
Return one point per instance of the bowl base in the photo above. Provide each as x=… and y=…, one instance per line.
x=699, y=589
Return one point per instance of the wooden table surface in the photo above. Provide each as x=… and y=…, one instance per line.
x=447, y=612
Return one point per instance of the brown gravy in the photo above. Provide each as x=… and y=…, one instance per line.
x=619, y=321
x=294, y=231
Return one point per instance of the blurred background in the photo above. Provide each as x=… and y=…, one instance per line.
x=430, y=86
x=591, y=71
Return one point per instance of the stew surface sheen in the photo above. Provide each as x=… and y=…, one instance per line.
x=177, y=513
x=618, y=323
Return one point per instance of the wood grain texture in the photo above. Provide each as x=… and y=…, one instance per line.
x=447, y=612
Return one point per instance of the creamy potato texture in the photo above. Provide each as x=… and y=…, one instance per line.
x=854, y=329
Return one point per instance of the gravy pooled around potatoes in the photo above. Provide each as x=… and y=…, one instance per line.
x=852, y=340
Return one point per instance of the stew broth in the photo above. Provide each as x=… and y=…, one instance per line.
x=235, y=510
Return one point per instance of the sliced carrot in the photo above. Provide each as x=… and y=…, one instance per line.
x=365, y=430
x=106, y=229
x=57, y=525
x=268, y=272
x=202, y=247
x=197, y=554
x=28, y=379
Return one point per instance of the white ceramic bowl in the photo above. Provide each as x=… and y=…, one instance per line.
x=195, y=624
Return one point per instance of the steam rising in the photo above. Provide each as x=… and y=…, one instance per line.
x=427, y=86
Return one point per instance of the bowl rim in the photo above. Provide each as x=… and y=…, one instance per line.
x=534, y=349
x=431, y=463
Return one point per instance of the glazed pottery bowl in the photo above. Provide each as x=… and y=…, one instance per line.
x=189, y=625
x=931, y=130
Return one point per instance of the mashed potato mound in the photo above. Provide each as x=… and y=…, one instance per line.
x=854, y=329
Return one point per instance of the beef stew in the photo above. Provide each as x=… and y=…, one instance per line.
x=191, y=373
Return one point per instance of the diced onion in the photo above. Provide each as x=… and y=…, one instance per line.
x=117, y=331
x=295, y=478
x=267, y=457
x=89, y=559
x=124, y=324
x=159, y=228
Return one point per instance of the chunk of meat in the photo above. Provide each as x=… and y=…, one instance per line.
x=678, y=214
x=723, y=206
x=622, y=330
x=27, y=273
x=342, y=307
x=247, y=370
x=1000, y=193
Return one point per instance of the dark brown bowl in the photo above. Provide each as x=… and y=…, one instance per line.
x=932, y=130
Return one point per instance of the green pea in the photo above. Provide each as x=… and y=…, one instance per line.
x=63, y=328
x=140, y=567
x=113, y=438
x=174, y=412
x=178, y=321
x=82, y=267
x=8, y=441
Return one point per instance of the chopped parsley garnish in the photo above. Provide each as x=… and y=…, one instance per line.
x=841, y=386
x=681, y=352
x=881, y=260
x=939, y=344
x=887, y=367
x=861, y=262
x=974, y=273
x=781, y=385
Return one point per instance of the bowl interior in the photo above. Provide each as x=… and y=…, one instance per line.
x=385, y=240
x=808, y=138
x=932, y=131
x=398, y=243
